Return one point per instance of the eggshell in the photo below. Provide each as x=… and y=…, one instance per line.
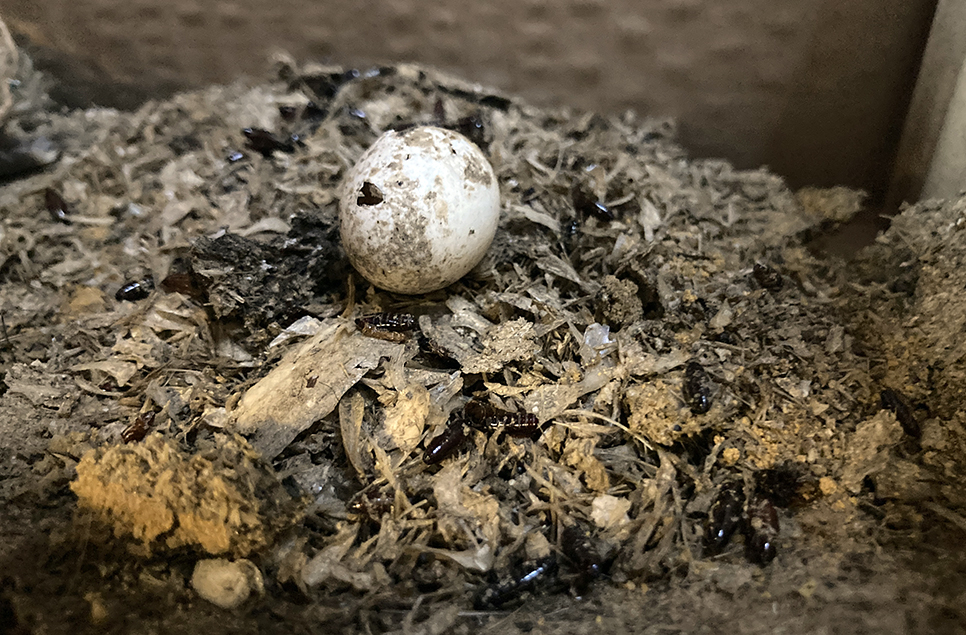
x=418, y=210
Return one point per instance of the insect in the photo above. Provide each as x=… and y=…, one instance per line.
x=473, y=129
x=139, y=427
x=485, y=416
x=56, y=205
x=482, y=416
x=697, y=388
x=761, y=531
x=766, y=277
x=725, y=518
x=523, y=579
x=265, y=142
x=587, y=204
x=447, y=442
x=895, y=402
x=135, y=290
x=577, y=546
x=391, y=327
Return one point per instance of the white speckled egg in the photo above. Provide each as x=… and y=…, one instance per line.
x=419, y=209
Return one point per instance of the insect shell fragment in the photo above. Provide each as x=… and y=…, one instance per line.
x=895, y=402
x=139, y=427
x=373, y=504
x=767, y=277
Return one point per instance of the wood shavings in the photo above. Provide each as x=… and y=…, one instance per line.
x=351, y=416
x=404, y=421
x=610, y=512
x=503, y=343
x=284, y=403
x=589, y=314
x=868, y=448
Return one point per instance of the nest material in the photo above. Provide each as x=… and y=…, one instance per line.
x=656, y=314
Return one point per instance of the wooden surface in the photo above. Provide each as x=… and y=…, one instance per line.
x=815, y=88
x=944, y=60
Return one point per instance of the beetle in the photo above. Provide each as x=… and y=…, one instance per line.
x=135, y=290
x=522, y=579
x=761, y=531
x=697, y=388
x=725, y=517
x=447, y=442
x=577, y=546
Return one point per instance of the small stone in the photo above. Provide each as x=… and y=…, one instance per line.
x=225, y=583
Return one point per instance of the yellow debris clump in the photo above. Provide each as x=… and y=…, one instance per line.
x=220, y=500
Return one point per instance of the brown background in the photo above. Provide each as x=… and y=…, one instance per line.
x=817, y=89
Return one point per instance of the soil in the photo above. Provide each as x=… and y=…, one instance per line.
x=649, y=409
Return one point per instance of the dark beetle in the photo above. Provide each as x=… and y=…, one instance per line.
x=448, y=442
x=766, y=277
x=587, y=204
x=56, y=206
x=265, y=142
x=472, y=128
x=761, y=532
x=697, y=388
x=135, y=290
x=577, y=546
x=724, y=518
x=522, y=579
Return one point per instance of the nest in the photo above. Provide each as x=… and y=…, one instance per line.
x=647, y=375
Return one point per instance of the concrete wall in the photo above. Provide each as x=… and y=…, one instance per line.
x=817, y=88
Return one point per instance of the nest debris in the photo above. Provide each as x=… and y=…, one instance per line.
x=656, y=315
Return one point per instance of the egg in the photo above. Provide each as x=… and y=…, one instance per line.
x=418, y=210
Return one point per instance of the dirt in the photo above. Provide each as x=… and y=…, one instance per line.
x=648, y=356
